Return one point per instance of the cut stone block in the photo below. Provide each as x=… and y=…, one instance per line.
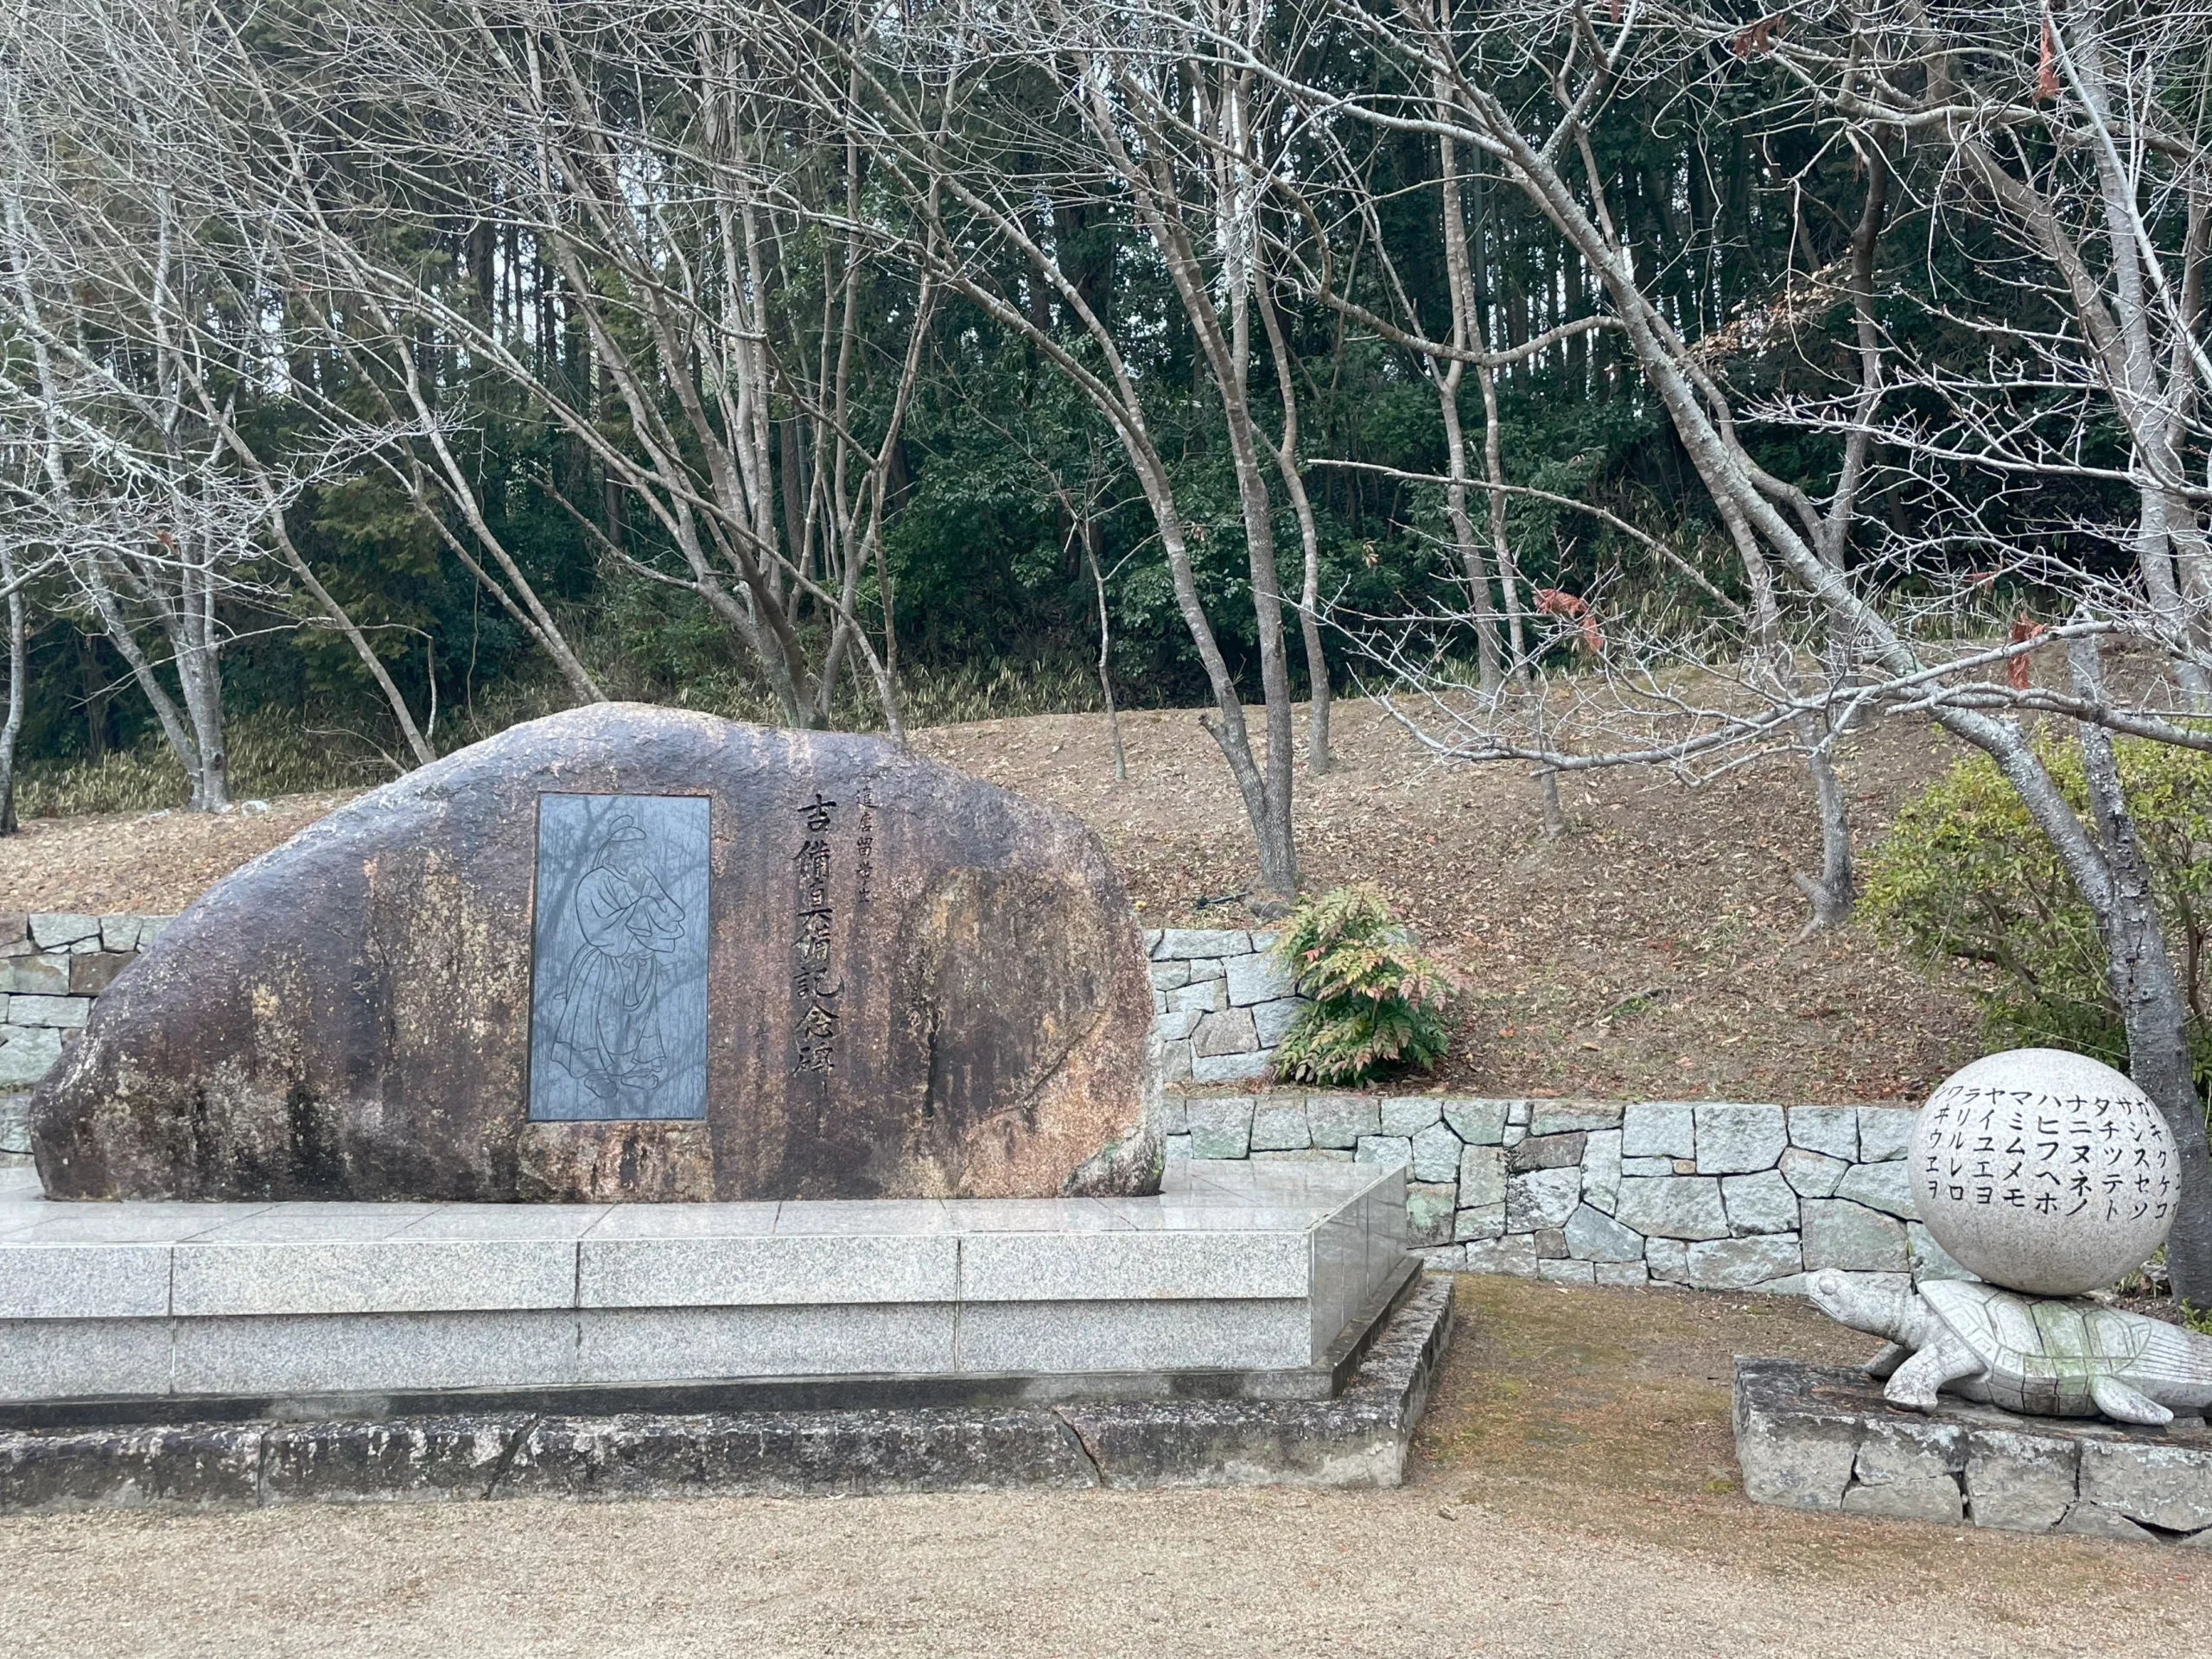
x=1220, y=1127
x=1482, y=1176
x=1742, y=1264
x=1385, y=1149
x=1341, y=1120
x=1229, y=1032
x=60, y=1013
x=35, y=975
x=1206, y=998
x=2087, y=1520
x=93, y=971
x=1273, y=1020
x=1174, y=1027
x=1564, y=1117
x=1735, y=1140
x=2169, y=1487
x=1174, y=1063
x=1565, y=1270
x=1812, y=1174
x=1184, y=942
x=1435, y=1153
x=1672, y=1207
x=1170, y=976
x=1759, y=1204
x=1669, y=1259
x=1627, y=1275
x=1933, y=1497
x=1429, y=1211
x=27, y=1054
x=1646, y=1167
x=119, y=932
x=59, y=930
x=1204, y=967
x=1839, y=1234
x=1551, y=1244
x=1830, y=1130
x=1896, y=1447
x=1229, y=1068
x=1515, y=1254
x=1485, y=1221
x=1409, y=1115
x=1791, y=1455
x=1479, y=1122
x=1601, y=1169
x=1546, y=1152
x=1594, y=1236
x=2019, y=1481
x=1884, y=1132
x=1257, y=979
x=1656, y=1129
x=1279, y=1126
x=1887, y=1187
x=1541, y=1197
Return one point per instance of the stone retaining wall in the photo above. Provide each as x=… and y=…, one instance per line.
x=51, y=969
x=1717, y=1196
x=1220, y=1004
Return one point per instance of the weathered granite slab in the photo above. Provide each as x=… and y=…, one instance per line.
x=1358, y=1438
x=1815, y=1438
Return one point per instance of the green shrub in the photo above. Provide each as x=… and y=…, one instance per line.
x=1965, y=873
x=1379, y=1005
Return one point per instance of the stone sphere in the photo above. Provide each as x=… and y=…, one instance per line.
x=2044, y=1171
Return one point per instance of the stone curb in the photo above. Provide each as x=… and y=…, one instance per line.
x=1358, y=1438
x=1814, y=1438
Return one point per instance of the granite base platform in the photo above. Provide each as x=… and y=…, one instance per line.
x=1815, y=1438
x=191, y=1353
x=1239, y=1279
x=1358, y=1438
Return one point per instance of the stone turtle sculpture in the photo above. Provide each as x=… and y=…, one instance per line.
x=2046, y=1357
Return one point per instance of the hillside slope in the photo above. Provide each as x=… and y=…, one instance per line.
x=1648, y=953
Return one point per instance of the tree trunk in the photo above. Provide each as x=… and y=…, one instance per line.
x=18, y=678
x=2152, y=1005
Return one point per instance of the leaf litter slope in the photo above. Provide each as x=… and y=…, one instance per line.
x=1650, y=953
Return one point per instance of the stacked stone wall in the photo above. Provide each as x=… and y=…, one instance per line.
x=1714, y=1195
x=1220, y=1004
x=52, y=967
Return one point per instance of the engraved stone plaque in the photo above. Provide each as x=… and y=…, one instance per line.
x=617, y=1006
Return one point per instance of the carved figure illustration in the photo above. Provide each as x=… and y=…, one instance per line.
x=605, y=1030
x=2045, y=1356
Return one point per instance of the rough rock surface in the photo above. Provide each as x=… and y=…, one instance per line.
x=348, y=1016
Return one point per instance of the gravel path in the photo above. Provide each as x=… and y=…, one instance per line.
x=1256, y=1572
x=1574, y=1494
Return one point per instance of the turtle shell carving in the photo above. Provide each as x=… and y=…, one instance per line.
x=2043, y=1354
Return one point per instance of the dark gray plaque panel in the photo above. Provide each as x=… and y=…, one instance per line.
x=618, y=1005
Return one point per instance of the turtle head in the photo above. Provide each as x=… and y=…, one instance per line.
x=1876, y=1304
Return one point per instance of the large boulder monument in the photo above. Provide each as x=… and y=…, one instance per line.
x=628, y=953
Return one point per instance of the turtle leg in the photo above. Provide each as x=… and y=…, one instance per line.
x=1943, y=1360
x=1885, y=1363
x=2116, y=1399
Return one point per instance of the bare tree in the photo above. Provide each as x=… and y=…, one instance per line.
x=1546, y=155
x=699, y=264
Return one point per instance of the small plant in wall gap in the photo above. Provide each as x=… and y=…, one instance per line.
x=1379, y=1005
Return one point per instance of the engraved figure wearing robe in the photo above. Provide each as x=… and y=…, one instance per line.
x=606, y=1028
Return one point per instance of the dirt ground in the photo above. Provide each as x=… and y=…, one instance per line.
x=1574, y=1494
x=1648, y=953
